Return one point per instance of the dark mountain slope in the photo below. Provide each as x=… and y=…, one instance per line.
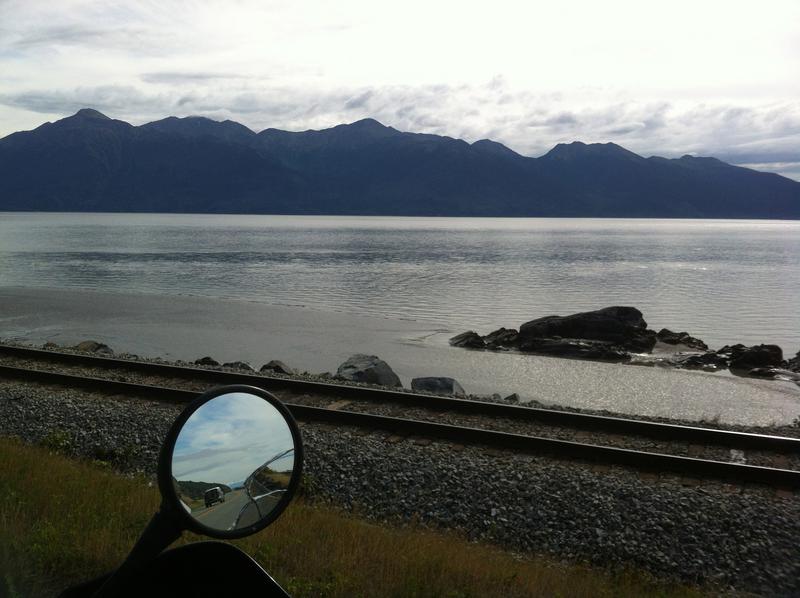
x=608, y=180
x=88, y=162
x=367, y=168
x=198, y=127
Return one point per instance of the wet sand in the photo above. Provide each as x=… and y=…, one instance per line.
x=184, y=327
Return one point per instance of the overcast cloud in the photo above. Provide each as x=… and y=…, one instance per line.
x=711, y=78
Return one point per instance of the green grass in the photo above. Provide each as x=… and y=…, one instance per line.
x=64, y=521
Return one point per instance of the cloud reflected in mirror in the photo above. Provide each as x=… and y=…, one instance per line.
x=233, y=461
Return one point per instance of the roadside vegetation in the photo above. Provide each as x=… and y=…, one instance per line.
x=63, y=521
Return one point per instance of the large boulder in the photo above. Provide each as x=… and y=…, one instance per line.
x=206, y=361
x=758, y=356
x=731, y=352
x=623, y=326
x=575, y=348
x=276, y=366
x=680, y=338
x=442, y=386
x=469, y=340
x=93, y=347
x=502, y=337
x=368, y=368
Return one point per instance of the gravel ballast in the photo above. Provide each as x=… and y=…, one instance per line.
x=394, y=408
x=704, y=532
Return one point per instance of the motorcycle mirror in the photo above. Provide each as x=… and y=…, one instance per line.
x=231, y=462
x=228, y=468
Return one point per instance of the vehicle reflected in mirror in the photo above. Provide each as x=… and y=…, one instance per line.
x=233, y=461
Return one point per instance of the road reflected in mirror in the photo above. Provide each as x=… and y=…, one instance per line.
x=233, y=461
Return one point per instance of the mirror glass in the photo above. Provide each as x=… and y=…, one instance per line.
x=233, y=461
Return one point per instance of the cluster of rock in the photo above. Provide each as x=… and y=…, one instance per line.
x=360, y=368
x=86, y=347
x=271, y=367
x=617, y=334
x=370, y=369
x=609, y=334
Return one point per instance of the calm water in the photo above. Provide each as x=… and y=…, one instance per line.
x=724, y=281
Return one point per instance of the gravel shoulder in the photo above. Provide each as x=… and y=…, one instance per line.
x=742, y=538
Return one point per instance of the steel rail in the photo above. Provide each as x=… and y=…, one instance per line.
x=583, y=421
x=781, y=478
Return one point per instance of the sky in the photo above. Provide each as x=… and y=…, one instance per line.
x=228, y=438
x=669, y=78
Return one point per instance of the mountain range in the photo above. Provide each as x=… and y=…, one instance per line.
x=91, y=163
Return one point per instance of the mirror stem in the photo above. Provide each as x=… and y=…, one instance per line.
x=162, y=531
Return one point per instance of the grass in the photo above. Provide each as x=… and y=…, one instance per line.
x=64, y=521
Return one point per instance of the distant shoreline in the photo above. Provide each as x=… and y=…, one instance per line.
x=411, y=216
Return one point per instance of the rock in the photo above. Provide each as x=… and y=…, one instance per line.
x=206, y=361
x=575, y=348
x=468, y=340
x=512, y=398
x=708, y=362
x=368, y=368
x=794, y=363
x=680, y=338
x=730, y=352
x=502, y=337
x=757, y=357
x=239, y=365
x=277, y=366
x=50, y=346
x=442, y=386
x=774, y=374
x=93, y=347
x=622, y=326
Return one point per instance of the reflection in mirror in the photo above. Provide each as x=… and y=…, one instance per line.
x=233, y=461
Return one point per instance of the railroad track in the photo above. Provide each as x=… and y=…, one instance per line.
x=644, y=460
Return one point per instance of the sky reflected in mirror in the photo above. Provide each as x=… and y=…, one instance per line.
x=230, y=437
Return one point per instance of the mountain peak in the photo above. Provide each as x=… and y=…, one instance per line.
x=706, y=159
x=368, y=126
x=494, y=147
x=90, y=113
x=200, y=126
x=368, y=123
x=365, y=129
x=579, y=149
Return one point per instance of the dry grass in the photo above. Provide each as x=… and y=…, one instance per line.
x=63, y=521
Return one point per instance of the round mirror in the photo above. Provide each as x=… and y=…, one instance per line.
x=234, y=460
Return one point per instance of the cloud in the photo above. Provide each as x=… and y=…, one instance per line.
x=179, y=78
x=689, y=87
x=227, y=438
x=79, y=34
x=27, y=31
x=787, y=169
x=120, y=101
x=358, y=101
